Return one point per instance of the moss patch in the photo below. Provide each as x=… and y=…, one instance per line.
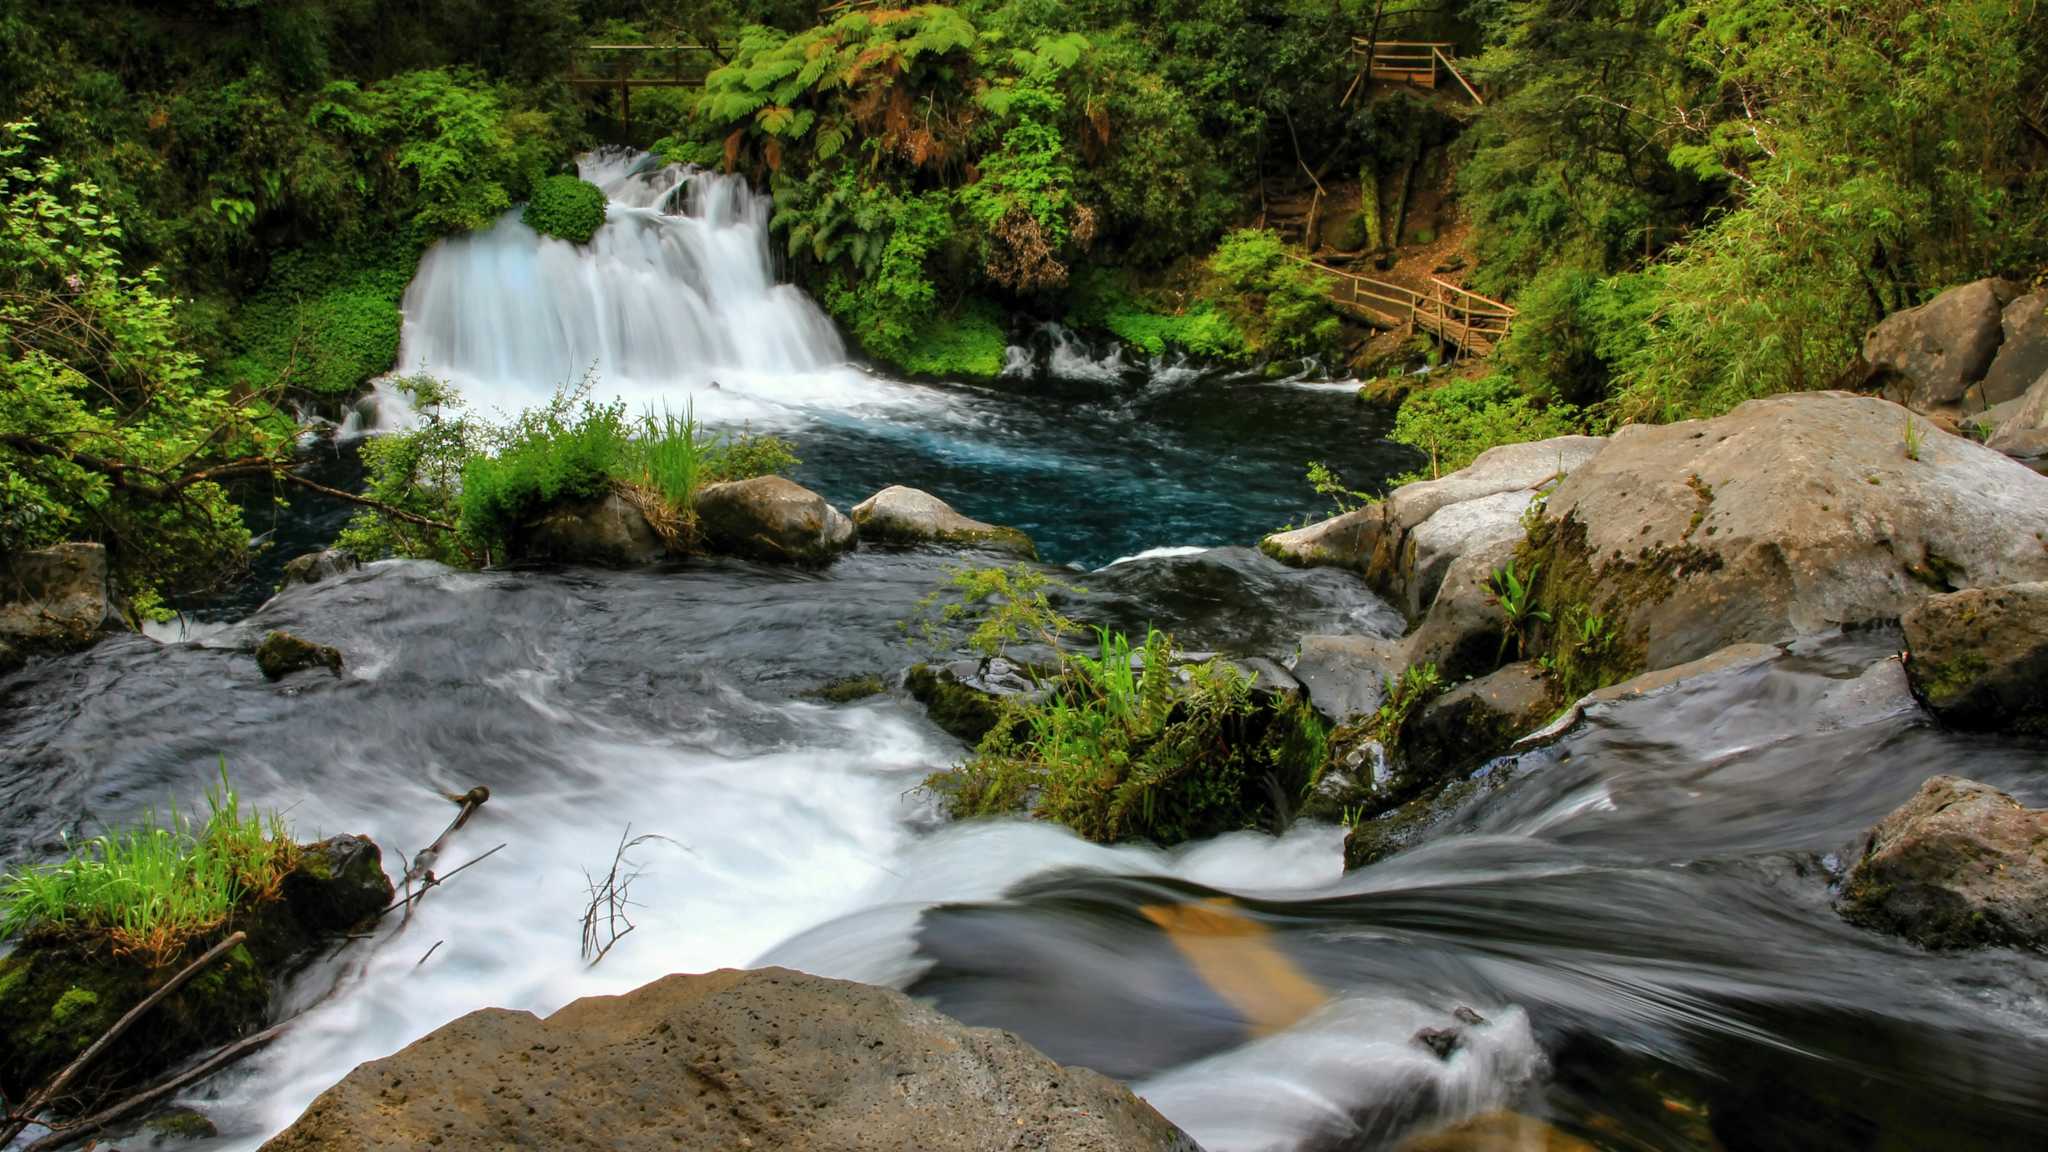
x=847, y=689
x=1573, y=586
x=953, y=706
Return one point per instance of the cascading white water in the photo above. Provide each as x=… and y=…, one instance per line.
x=674, y=298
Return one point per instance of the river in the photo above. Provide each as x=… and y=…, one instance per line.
x=1639, y=916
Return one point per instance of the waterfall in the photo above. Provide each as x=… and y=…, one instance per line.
x=675, y=297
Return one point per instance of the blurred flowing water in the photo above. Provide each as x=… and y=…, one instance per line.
x=1638, y=913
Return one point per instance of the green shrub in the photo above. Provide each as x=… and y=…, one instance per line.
x=151, y=887
x=1458, y=420
x=1282, y=305
x=565, y=207
x=1200, y=330
x=486, y=481
x=1119, y=748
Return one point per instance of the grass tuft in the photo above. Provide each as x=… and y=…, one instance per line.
x=152, y=887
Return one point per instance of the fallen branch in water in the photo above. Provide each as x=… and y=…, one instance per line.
x=430, y=952
x=70, y=1133
x=422, y=868
x=608, y=899
x=55, y=1088
x=433, y=881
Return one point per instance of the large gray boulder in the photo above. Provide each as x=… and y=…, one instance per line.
x=771, y=518
x=612, y=530
x=1927, y=357
x=909, y=516
x=1979, y=657
x=1789, y=516
x=763, y=1059
x=1345, y=676
x=1959, y=865
x=2024, y=432
x=2023, y=354
x=52, y=600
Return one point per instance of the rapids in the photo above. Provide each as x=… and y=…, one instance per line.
x=1639, y=913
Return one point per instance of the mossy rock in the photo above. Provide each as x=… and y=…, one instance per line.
x=282, y=654
x=847, y=689
x=962, y=711
x=58, y=994
x=566, y=208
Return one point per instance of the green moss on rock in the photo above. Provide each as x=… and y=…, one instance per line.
x=847, y=689
x=281, y=654
x=953, y=706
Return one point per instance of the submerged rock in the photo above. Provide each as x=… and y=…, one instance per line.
x=908, y=516
x=762, y=1059
x=52, y=600
x=313, y=567
x=612, y=530
x=1789, y=516
x=59, y=993
x=1960, y=865
x=1979, y=657
x=281, y=654
x=1927, y=357
x=773, y=519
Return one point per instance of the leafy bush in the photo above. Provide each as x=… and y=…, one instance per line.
x=151, y=887
x=1200, y=329
x=1456, y=421
x=1282, y=305
x=565, y=207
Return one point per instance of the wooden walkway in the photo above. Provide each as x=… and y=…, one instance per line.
x=1416, y=63
x=1471, y=324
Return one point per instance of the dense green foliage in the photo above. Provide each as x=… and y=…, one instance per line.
x=933, y=154
x=1698, y=202
x=151, y=887
x=566, y=208
x=109, y=430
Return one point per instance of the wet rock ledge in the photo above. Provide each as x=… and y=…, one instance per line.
x=761, y=1059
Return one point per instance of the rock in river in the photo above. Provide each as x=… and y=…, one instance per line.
x=1959, y=865
x=727, y=1060
x=1980, y=656
x=1789, y=516
x=52, y=600
x=908, y=516
x=773, y=519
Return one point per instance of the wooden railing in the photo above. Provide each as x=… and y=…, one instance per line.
x=1469, y=322
x=624, y=67
x=1422, y=63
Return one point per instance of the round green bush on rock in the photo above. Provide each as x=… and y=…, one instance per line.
x=565, y=207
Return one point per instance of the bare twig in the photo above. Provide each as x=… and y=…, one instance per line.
x=606, y=920
x=436, y=881
x=430, y=952
x=56, y=1087
x=70, y=1133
